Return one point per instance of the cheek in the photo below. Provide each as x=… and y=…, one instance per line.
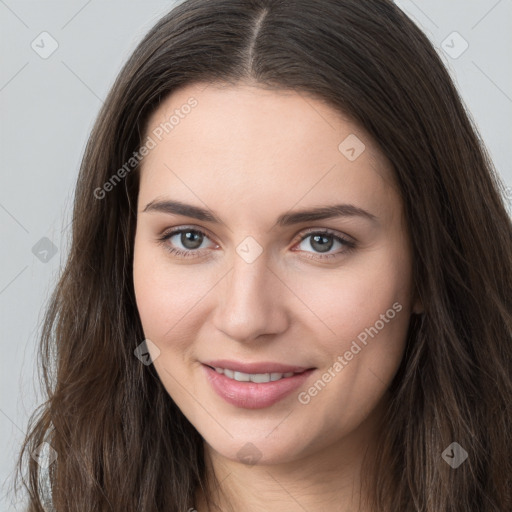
x=352, y=300
x=150, y=291
x=369, y=310
x=165, y=301
x=167, y=295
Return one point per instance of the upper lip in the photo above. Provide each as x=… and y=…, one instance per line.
x=256, y=367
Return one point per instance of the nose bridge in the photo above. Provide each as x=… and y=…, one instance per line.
x=249, y=303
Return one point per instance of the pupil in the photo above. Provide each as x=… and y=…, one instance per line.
x=191, y=239
x=325, y=240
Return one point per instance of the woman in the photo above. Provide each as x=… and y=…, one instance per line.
x=289, y=280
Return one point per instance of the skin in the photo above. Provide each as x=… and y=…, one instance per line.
x=250, y=154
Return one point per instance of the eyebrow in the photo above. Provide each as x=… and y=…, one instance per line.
x=286, y=219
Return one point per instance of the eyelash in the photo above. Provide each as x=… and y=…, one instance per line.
x=190, y=253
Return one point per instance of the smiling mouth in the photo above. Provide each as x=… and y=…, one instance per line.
x=260, y=386
x=259, y=378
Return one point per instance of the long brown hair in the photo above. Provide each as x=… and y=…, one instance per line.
x=122, y=443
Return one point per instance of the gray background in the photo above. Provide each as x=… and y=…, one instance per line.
x=49, y=105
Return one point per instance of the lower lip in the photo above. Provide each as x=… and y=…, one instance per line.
x=252, y=395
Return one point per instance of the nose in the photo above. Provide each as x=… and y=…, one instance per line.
x=251, y=301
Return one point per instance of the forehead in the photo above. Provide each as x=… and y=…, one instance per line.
x=268, y=146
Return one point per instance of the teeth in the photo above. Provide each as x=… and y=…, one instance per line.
x=260, y=377
x=242, y=377
x=253, y=377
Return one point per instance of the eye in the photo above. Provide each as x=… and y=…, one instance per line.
x=190, y=239
x=323, y=241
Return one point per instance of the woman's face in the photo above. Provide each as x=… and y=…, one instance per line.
x=317, y=303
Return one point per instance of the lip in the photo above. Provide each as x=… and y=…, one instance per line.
x=252, y=395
